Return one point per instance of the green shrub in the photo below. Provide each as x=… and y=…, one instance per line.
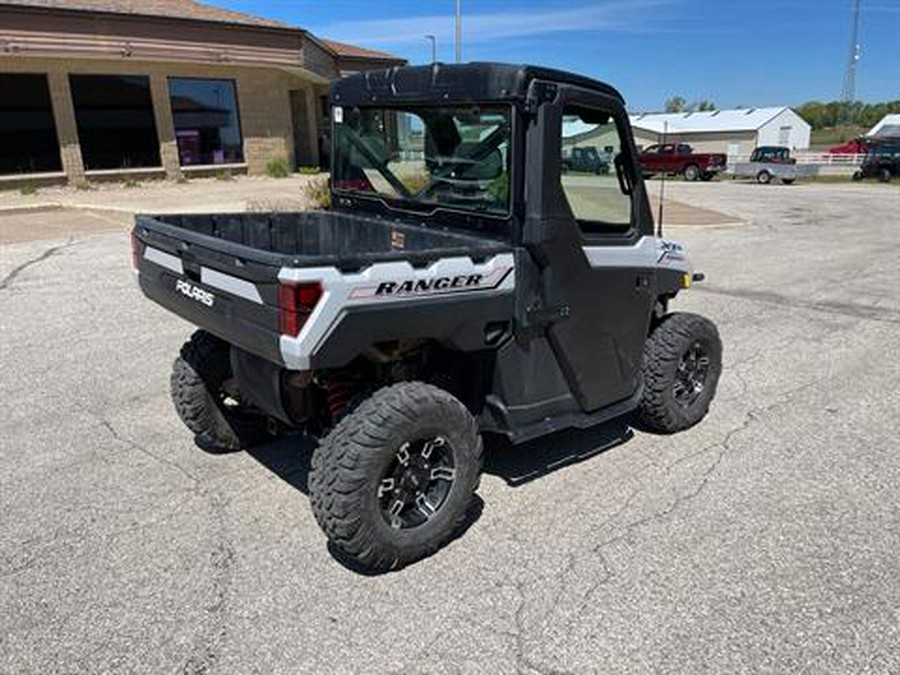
x=83, y=185
x=308, y=170
x=131, y=183
x=28, y=190
x=318, y=193
x=277, y=167
x=224, y=174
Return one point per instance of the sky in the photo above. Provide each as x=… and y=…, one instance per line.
x=748, y=53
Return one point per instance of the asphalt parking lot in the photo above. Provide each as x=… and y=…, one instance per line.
x=766, y=539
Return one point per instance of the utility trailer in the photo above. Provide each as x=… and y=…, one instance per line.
x=461, y=284
x=769, y=162
x=764, y=172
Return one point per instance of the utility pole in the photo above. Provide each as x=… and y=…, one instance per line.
x=433, y=47
x=459, y=31
x=848, y=93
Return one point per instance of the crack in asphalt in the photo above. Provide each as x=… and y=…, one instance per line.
x=223, y=559
x=522, y=658
x=8, y=280
x=106, y=424
x=750, y=417
x=850, y=309
x=596, y=552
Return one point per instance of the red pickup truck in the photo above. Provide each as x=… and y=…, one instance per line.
x=672, y=158
x=858, y=146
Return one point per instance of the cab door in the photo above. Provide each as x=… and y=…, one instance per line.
x=590, y=237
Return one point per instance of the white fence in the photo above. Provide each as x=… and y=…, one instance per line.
x=828, y=159
x=806, y=157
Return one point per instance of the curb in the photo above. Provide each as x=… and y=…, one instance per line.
x=30, y=208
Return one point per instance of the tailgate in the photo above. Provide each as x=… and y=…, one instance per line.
x=225, y=293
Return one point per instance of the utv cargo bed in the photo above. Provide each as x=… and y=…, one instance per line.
x=228, y=273
x=309, y=238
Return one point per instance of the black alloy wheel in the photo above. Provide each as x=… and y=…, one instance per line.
x=682, y=365
x=692, y=374
x=394, y=479
x=417, y=482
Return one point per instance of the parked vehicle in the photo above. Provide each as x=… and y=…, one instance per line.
x=858, y=146
x=772, y=154
x=679, y=158
x=882, y=161
x=584, y=160
x=768, y=162
x=432, y=303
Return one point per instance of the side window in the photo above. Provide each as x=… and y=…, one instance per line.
x=592, y=185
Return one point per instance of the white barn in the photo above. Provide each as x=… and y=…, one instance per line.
x=733, y=132
x=888, y=126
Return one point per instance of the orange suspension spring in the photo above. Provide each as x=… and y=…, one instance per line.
x=340, y=391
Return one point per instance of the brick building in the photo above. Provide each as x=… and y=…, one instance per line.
x=159, y=88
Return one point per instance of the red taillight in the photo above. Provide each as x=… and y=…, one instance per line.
x=295, y=303
x=137, y=251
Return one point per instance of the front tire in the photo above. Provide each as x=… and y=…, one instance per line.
x=198, y=382
x=394, y=479
x=682, y=365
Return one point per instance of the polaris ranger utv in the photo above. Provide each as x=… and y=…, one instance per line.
x=460, y=284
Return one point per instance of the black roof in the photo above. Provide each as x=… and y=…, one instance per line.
x=454, y=82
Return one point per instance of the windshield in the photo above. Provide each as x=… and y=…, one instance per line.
x=453, y=157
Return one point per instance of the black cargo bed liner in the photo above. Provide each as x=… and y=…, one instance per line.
x=315, y=238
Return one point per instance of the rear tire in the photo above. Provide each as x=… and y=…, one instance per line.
x=787, y=181
x=197, y=388
x=682, y=364
x=763, y=177
x=379, y=498
x=858, y=175
x=691, y=172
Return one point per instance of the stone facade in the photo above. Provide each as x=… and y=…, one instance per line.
x=280, y=72
x=263, y=97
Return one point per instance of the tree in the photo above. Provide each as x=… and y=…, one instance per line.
x=676, y=104
x=825, y=115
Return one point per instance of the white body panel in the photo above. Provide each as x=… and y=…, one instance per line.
x=450, y=276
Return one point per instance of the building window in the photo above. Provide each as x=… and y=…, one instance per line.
x=28, y=141
x=116, y=127
x=207, y=123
